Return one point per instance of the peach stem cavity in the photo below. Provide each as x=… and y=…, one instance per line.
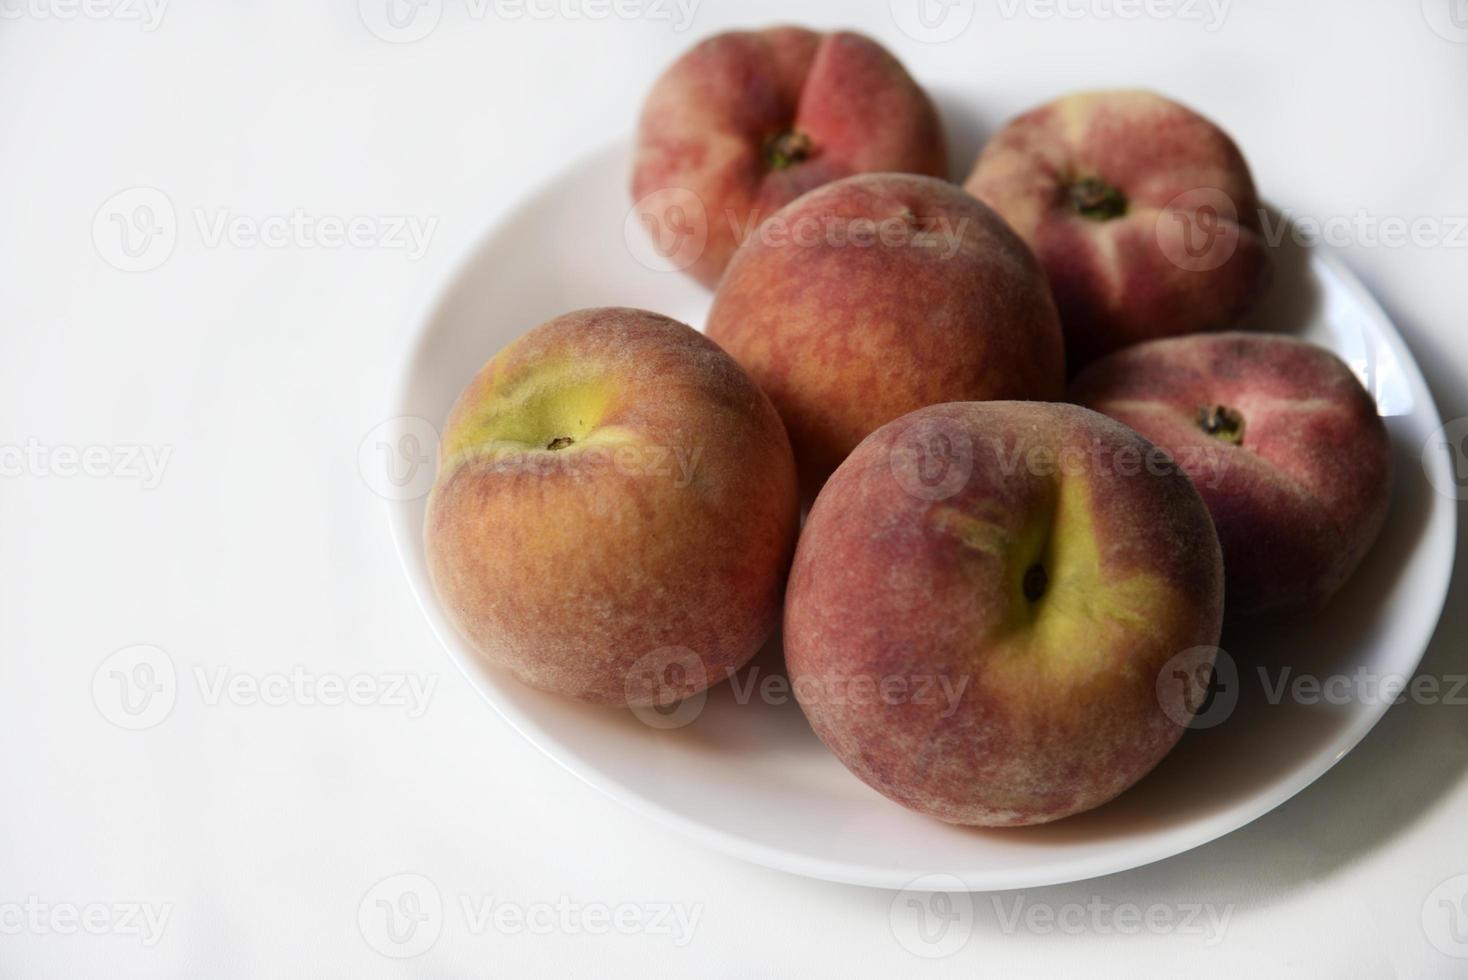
x=787, y=149
x=1097, y=200
x=1222, y=422
x=1035, y=583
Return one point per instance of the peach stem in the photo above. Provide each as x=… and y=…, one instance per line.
x=1222, y=422
x=787, y=149
x=1093, y=198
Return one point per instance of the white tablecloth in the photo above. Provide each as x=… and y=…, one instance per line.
x=181, y=476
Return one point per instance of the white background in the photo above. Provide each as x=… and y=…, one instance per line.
x=260, y=829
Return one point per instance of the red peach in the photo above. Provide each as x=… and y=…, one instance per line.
x=1285, y=445
x=985, y=604
x=746, y=122
x=1142, y=212
x=880, y=294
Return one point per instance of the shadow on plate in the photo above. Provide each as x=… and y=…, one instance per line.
x=1390, y=779
x=1410, y=760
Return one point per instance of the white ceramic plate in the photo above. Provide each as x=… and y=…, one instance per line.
x=752, y=779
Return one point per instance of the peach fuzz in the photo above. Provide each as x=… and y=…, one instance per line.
x=880, y=294
x=1018, y=553
x=1142, y=212
x=1282, y=440
x=615, y=496
x=748, y=121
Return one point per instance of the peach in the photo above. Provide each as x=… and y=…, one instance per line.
x=615, y=497
x=1285, y=445
x=1142, y=212
x=983, y=600
x=880, y=294
x=746, y=122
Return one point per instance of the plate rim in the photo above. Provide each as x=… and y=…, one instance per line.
x=404, y=533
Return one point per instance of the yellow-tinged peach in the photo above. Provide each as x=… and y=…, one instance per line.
x=983, y=601
x=615, y=510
